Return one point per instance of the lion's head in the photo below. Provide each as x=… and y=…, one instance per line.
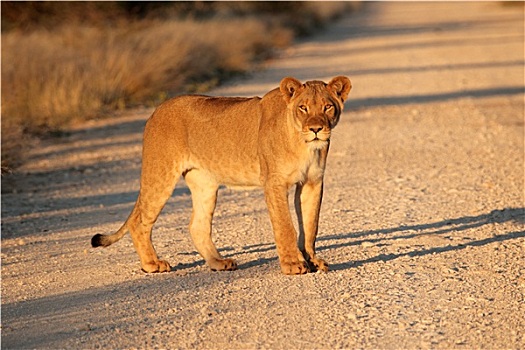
x=315, y=106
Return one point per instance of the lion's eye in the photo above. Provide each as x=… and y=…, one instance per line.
x=328, y=107
x=303, y=108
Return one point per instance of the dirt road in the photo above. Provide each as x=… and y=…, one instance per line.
x=423, y=218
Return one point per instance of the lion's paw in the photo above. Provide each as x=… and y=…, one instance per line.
x=223, y=265
x=156, y=266
x=318, y=265
x=294, y=267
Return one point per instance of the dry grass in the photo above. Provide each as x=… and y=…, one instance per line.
x=52, y=77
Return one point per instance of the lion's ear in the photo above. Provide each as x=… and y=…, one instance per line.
x=289, y=87
x=341, y=86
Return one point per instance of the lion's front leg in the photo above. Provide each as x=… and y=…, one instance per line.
x=308, y=199
x=291, y=259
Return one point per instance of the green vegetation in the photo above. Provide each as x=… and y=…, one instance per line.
x=68, y=61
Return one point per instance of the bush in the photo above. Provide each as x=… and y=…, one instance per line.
x=84, y=71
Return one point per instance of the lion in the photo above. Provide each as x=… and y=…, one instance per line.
x=273, y=142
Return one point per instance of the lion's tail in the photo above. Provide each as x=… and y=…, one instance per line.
x=100, y=240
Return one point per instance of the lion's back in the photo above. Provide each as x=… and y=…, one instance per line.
x=209, y=112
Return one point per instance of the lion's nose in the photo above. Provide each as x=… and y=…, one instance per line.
x=316, y=128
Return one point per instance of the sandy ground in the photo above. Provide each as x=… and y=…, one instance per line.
x=423, y=217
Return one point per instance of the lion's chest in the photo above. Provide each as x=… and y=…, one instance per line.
x=310, y=166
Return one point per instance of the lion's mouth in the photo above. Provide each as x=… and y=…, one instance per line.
x=317, y=141
x=320, y=137
x=317, y=138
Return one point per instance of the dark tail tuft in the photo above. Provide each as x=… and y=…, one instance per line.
x=99, y=240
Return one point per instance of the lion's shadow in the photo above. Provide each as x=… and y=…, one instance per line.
x=324, y=243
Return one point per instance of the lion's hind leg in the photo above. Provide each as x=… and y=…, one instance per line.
x=204, y=197
x=140, y=226
x=158, y=179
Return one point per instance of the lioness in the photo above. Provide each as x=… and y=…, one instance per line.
x=274, y=142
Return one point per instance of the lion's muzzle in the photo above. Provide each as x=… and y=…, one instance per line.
x=316, y=133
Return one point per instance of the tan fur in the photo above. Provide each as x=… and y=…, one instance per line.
x=274, y=142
